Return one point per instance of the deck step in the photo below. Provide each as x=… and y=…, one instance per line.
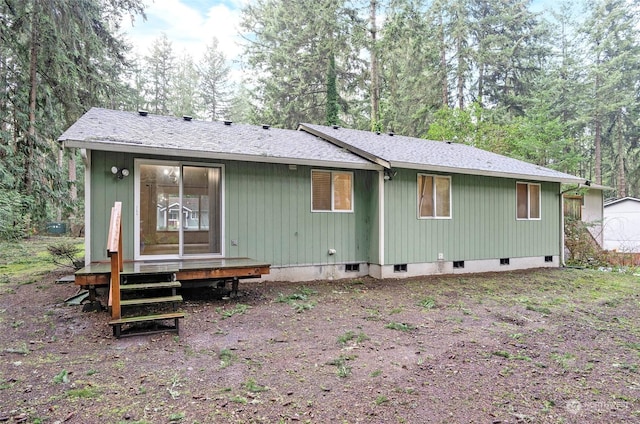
x=145, y=320
x=150, y=300
x=156, y=317
x=151, y=286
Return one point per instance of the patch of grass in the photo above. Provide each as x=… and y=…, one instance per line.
x=400, y=326
x=251, y=386
x=226, y=357
x=633, y=346
x=351, y=335
x=239, y=309
x=239, y=399
x=373, y=315
x=427, y=303
x=61, y=377
x=396, y=311
x=380, y=400
x=627, y=367
x=299, y=300
x=302, y=293
x=23, y=349
x=343, y=369
x=86, y=392
x=173, y=389
x=25, y=261
x=376, y=373
x=540, y=309
x=91, y=372
x=178, y=416
x=563, y=359
x=17, y=324
x=507, y=355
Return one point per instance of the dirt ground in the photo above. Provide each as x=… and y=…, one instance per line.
x=545, y=346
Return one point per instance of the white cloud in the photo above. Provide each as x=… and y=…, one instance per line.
x=189, y=30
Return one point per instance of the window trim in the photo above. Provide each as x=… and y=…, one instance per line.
x=333, y=206
x=435, y=206
x=528, y=218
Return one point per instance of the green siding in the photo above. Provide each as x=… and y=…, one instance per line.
x=483, y=224
x=267, y=211
x=105, y=190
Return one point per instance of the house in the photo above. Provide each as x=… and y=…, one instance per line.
x=622, y=225
x=586, y=203
x=317, y=203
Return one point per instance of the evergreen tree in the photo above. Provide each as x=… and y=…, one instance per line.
x=160, y=68
x=288, y=48
x=214, y=82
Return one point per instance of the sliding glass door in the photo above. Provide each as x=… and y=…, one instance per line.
x=178, y=210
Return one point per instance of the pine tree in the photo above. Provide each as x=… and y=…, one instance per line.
x=214, y=82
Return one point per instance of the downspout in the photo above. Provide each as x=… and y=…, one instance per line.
x=86, y=158
x=381, y=221
x=561, y=209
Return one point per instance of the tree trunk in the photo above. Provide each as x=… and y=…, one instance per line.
x=622, y=180
x=597, y=126
x=443, y=64
x=29, y=143
x=460, y=72
x=375, y=85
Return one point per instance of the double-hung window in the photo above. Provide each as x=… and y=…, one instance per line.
x=331, y=191
x=434, y=196
x=527, y=201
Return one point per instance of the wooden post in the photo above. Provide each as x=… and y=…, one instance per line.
x=114, y=251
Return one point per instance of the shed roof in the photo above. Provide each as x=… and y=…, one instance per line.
x=621, y=200
x=113, y=130
x=416, y=153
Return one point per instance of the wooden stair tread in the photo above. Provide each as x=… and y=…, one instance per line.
x=151, y=286
x=143, y=318
x=149, y=300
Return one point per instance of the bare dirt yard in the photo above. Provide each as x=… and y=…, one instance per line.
x=543, y=346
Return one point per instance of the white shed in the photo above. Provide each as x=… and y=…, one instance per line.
x=622, y=225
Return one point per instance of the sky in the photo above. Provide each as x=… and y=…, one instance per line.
x=191, y=25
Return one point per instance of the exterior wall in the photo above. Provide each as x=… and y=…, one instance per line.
x=592, y=214
x=105, y=189
x=622, y=226
x=267, y=213
x=483, y=224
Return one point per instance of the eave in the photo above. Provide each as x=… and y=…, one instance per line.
x=173, y=152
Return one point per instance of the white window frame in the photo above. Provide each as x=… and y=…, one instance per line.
x=333, y=207
x=528, y=218
x=136, y=224
x=435, y=200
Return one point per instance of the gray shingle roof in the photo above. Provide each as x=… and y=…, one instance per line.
x=113, y=130
x=416, y=153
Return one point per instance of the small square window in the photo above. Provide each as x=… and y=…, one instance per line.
x=458, y=264
x=331, y=191
x=400, y=268
x=434, y=196
x=352, y=267
x=527, y=201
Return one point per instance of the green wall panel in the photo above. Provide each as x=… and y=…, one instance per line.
x=267, y=213
x=105, y=190
x=483, y=224
x=270, y=218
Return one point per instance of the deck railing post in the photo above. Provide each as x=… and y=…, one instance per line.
x=114, y=251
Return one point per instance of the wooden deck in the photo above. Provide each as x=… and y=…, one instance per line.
x=98, y=273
